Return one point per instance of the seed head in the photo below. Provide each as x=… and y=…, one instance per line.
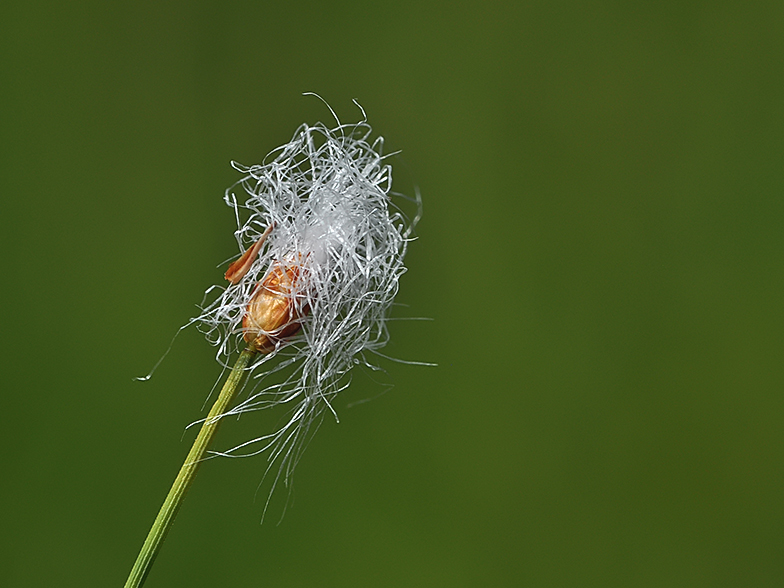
x=324, y=247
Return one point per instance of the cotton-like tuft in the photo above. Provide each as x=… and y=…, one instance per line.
x=326, y=198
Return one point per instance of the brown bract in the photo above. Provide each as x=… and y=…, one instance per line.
x=239, y=268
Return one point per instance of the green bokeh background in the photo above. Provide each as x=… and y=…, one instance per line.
x=601, y=252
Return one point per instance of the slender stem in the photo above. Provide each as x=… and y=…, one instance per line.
x=171, y=505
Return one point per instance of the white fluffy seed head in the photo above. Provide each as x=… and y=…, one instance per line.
x=327, y=196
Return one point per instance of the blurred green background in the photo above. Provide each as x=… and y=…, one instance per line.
x=601, y=252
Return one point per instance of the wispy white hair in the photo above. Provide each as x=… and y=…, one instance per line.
x=327, y=196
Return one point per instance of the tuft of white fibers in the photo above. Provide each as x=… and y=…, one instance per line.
x=326, y=195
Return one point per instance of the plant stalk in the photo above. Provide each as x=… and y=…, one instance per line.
x=185, y=477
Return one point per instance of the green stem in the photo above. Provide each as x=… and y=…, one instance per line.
x=171, y=505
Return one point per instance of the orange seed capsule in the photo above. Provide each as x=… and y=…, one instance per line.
x=272, y=315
